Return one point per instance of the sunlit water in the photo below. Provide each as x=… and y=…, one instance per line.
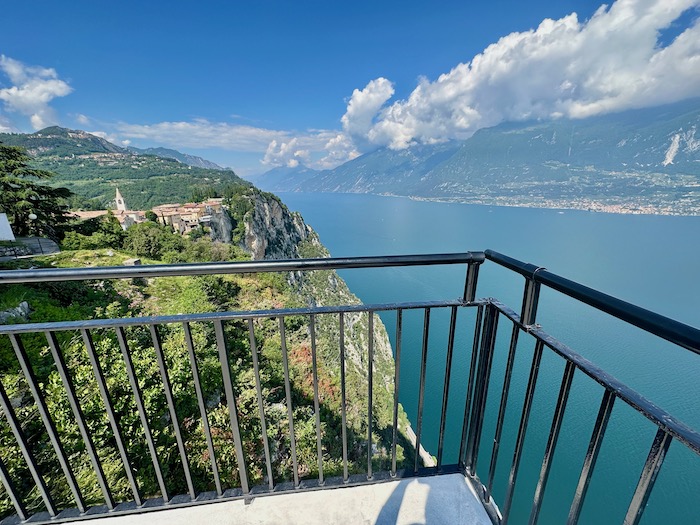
x=651, y=261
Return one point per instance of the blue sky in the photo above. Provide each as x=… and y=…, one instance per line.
x=258, y=84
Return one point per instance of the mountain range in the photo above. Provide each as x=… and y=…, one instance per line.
x=93, y=168
x=190, y=160
x=641, y=160
x=637, y=160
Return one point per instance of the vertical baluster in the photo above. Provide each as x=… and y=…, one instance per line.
x=158, y=347
x=23, y=359
x=79, y=417
x=111, y=416
x=470, y=388
x=552, y=440
x=397, y=373
x=12, y=492
x=446, y=388
x=589, y=462
x=202, y=407
x=314, y=371
x=502, y=408
x=343, y=408
x=231, y=402
x=481, y=388
x=138, y=398
x=290, y=409
x=370, y=366
x=16, y=428
x=524, y=418
x=655, y=459
x=261, y=406
x=421, y=388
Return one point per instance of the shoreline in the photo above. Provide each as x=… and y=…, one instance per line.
x=582, y=205
x=427, y=458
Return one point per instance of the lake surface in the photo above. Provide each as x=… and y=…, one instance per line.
x=651, y=261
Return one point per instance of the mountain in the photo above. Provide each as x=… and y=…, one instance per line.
x=190, y=160
x=638, y=160
x=282, y=178
x=60, y=142
x=383, y=170
x=93, y=167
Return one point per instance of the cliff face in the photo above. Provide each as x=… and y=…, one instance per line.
x=273, y=232
x=221, y=227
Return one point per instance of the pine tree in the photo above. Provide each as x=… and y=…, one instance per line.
x=23, y=192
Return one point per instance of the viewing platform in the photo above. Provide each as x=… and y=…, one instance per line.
x=198, y=460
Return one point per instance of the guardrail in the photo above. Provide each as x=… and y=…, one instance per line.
x=198, y=453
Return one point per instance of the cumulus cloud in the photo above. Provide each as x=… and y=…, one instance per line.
x=338, y=149
x=364, y=105
x=32, y=89
x=565, y=67
x=289, y=154
x=280, y=147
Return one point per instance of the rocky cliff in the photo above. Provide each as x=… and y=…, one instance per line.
x=272, y=231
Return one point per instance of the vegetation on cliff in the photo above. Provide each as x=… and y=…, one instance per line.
x=266, y=222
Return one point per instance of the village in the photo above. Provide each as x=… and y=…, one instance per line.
x=182, y=218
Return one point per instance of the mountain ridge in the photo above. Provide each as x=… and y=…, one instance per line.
x=640, y=160
x=93, y=167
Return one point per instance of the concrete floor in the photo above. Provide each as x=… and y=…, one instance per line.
x=447, y=499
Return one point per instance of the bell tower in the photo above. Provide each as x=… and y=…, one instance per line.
x=121, y=205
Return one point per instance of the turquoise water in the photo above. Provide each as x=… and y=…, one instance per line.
x=651, y=261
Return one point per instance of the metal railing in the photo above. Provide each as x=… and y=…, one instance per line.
x=233, y=461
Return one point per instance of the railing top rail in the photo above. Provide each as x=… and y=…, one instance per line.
x=674, y=331
x=92, y=324
x=654, y=413
x=286, y=265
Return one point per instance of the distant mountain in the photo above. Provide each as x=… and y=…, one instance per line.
x=60, y=142
x=634, y=159
x=190, y=160
x=93, y=168
x=382, y=171
x=282, y=178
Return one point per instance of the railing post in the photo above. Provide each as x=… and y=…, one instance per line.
x=488, y=341
x=470, y=282
x=531, y=298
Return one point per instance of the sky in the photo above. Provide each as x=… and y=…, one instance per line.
x=255, y=85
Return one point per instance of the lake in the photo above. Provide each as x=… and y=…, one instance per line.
x=651, y=261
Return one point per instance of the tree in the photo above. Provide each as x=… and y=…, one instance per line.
x=152, y=240
x=22, y=193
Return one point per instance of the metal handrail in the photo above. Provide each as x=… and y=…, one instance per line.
x=674, y=331
x=286, y=265
x=483, y=349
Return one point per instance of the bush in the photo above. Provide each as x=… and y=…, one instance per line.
x=152, y=240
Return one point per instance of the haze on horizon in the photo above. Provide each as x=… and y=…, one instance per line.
x=261, y=86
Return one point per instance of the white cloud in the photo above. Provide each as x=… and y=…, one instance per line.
x=6, y=126
x=364, y=105
x=82, y=119
x=564, y=67
x=201, y=133
x=280, y=147
x=32, y=89
x=289, y=154
x=338, y=150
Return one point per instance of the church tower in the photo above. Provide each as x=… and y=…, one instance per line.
x=121, y=205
